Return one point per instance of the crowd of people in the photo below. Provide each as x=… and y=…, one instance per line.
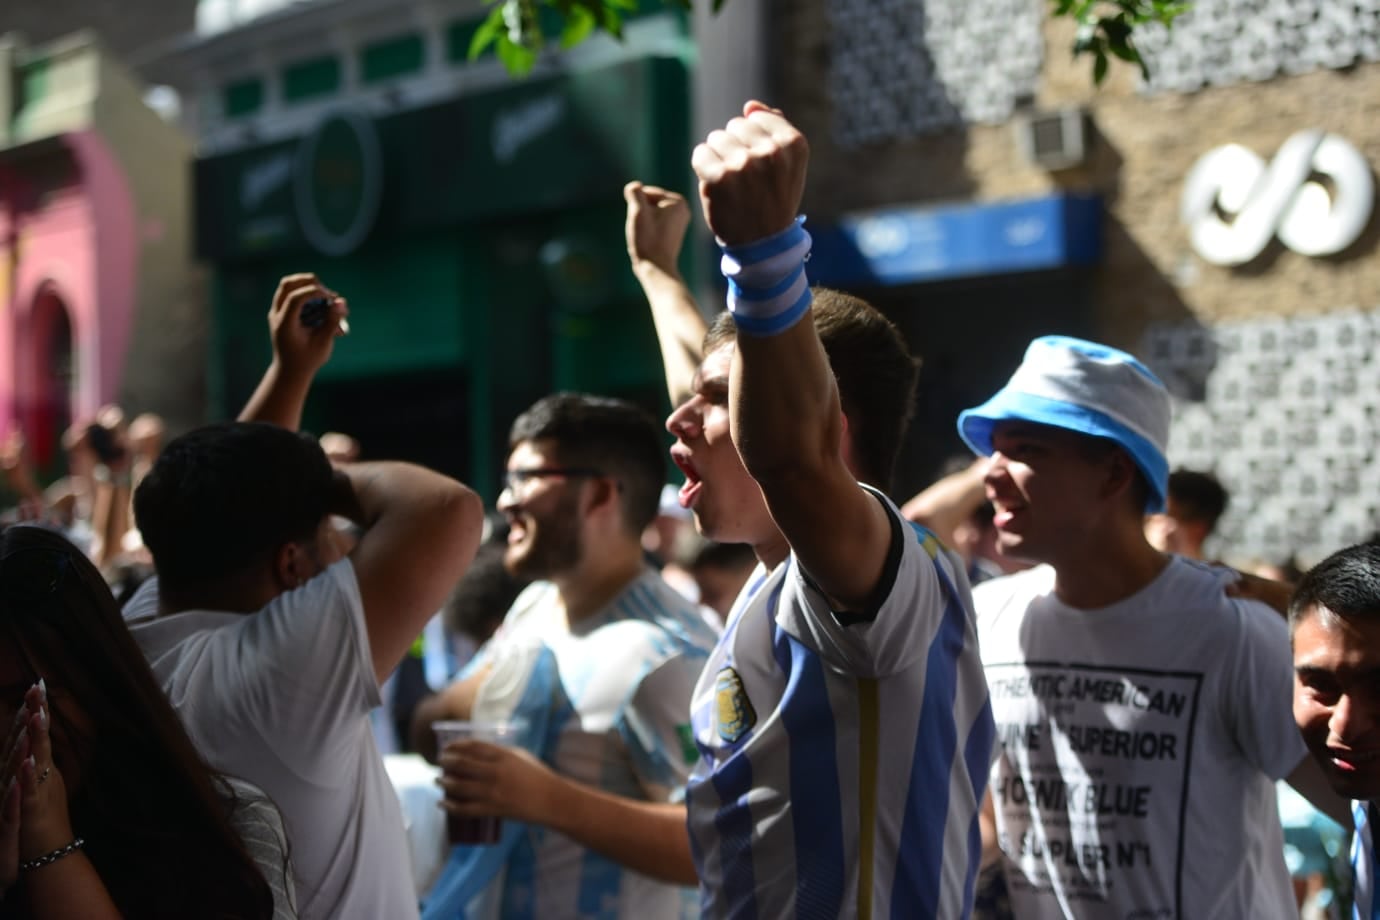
x=1021, y=693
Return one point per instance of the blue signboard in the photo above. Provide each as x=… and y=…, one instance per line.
x=906, y=246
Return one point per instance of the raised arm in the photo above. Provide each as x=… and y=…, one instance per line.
x=110, y=508
x=299, y=351
x=786, y=418
x=944, y=505
x=18, y=471
x=655, y=231
x=421, y=530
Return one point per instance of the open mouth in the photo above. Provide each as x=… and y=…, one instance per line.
x=1004, y=514
x=1351, y=761
x=690, y=491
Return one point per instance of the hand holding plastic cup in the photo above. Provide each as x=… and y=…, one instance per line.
x=474, y=831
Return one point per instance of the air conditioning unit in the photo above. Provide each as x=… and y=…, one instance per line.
x=1054, y=140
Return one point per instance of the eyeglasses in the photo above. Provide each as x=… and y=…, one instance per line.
x=515, y=480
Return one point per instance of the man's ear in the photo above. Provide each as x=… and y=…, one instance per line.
x=1121, y=474
x=601, y=491
x=291, y=566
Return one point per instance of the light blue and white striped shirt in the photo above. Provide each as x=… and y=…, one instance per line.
x=606, y=702
x=1363, y=866
x=844, y=757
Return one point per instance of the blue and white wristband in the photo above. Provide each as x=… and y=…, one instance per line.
x=768, y=292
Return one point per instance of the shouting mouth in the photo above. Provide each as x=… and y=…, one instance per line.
x=690, y=491
x=1351, y=761
x=1005, y=514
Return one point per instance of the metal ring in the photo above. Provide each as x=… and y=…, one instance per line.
x=44, y=775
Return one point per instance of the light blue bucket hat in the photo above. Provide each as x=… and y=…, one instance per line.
x=1087, y=388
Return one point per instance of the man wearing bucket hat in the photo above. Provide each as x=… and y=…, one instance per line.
x=1142, y=714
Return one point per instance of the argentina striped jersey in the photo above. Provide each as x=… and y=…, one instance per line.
x=844, y=757
x=605, y=701
x=1363, y=863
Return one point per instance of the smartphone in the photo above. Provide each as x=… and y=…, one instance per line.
x=103, y=444
x=315, y=311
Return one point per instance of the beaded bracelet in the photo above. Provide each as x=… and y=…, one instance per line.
x=52, y=857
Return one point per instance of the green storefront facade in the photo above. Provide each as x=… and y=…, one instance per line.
x=479, y=242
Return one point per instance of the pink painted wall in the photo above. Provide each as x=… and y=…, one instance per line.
x=115, y=225
x=81, y=242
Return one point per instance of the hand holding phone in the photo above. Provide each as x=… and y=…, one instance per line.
x=314, y=312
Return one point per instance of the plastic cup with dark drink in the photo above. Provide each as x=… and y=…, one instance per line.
x=472, y=831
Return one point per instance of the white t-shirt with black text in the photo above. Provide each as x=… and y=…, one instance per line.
x=1137, y=748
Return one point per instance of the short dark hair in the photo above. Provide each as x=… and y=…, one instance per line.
x=1344, y=586
x=613, y=436
x=1197, y=497
x=875, y=370
x=222, y=499
x=480, y=600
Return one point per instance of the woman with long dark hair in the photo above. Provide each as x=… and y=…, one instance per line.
x=107, y=810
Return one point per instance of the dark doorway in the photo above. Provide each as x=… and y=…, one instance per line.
x=422, y=417
x=46, y=397
x=970, y=335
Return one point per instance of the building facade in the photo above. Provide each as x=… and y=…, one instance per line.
x=99, y=296
x=474, y=221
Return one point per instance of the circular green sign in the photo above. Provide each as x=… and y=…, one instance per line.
x=338, y=182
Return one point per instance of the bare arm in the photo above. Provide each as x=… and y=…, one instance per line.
x=299, y=351
x=1310, y=782
x=655, y=231
x=1276, y=594
x=421, y=530
x=946, y=504
x=18, y=470
x=454, y=702
x=987, y=825
x=647, y=837
x=110, y=517
x=787, y=421
x=110, y=510
x=69, y=887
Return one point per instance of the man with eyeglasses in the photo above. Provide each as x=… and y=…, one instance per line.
x=843, y=718
x=597, y=659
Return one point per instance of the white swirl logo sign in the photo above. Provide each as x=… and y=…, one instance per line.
x=1234, y=202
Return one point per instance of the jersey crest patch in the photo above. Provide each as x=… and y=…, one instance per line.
x=931, y=545
x=736, y=715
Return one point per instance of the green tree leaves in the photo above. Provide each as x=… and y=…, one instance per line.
x=1106, y=28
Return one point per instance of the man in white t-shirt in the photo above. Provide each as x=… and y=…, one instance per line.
x=1335, y=622
x=270, y=644
x=598, y=658
x=1142, y=714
